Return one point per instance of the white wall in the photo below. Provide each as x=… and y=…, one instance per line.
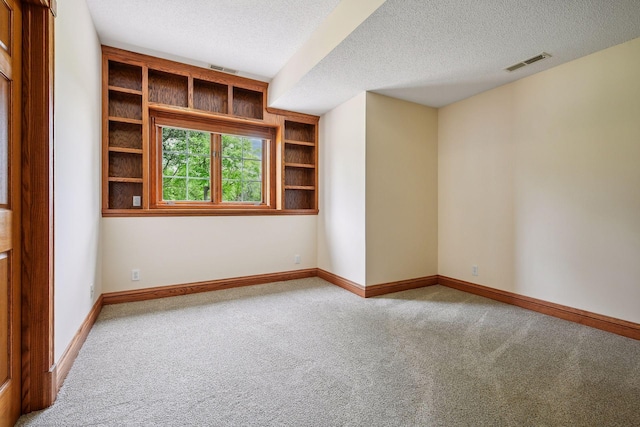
x=401, y=190
x=77, y=133
x=179, y=250
x=342, y=162
x=539, y=185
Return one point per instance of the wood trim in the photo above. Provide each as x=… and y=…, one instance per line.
x=598, y=321
x=117, y=213
x=146, y=140
x=206, y=286
x=38, y=389
x=350, y=286
x=295, y=116
x=402, y=285
x=377, y=290
x=173, y=67
x=73, y=349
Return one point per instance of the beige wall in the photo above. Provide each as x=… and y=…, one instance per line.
x=341, y=222
x=179, y=250
x=539, y=185
x=77, y=125
x=401, y=190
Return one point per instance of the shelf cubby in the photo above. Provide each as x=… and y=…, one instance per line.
x=210, y=96
x=125, y=165
x=248, y=103
x=295, y=176
x=299, y=154
x=301, y=133
x=168, y=89
x=299, y=199
x=125, y=135
x=125, y=76
x=121, y=194
x=125, y=105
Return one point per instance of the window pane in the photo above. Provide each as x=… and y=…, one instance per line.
x=174, y=139
x=241, y=169
x=231, y=191
x=199, y=166
x=199, y=143
x=174, y=188
x=174, y=164
x=252, y=192
x=253, y=149
x=186, y=165
x=199, y=190
x=252, y=170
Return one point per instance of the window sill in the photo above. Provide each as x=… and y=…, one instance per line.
x=106, y=213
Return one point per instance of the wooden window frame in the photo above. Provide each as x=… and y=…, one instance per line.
x=158, y=120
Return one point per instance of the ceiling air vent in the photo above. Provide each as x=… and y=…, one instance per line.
x=223, y=69
x=526, y=62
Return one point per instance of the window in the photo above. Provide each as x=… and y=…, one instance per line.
x=211, y=164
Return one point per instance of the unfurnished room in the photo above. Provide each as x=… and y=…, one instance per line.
x=320, y=213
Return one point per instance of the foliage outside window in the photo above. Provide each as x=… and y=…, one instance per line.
x=211, y=166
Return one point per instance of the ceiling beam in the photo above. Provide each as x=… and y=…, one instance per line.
x=344, y=19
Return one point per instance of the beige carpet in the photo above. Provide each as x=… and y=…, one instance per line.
x=307, y=353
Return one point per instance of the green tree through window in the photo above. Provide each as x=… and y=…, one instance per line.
x=187, y=167
x=241, y=169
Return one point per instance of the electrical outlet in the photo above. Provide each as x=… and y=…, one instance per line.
x=137, y=201
x=91, y=290
x=135, y=275
x=296, y=259
x=474, y=270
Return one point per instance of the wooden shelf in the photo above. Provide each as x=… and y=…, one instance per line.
x=210, y=96
x=125, y=90
x=139, y=87
x=300, y=187
x=294, y=142
x=125, y=120
x=300, y=165
x=123, y=75
x=168, y=88
x=248, y=103
x=202, y=114
x=300, y=158
x=125, y=150
x=121, y=179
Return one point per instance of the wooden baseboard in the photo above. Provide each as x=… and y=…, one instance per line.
x=377, y=290
x=402, y=285
x=605, y=323
x=350, y=286
x=62, y=368
x=211, y=285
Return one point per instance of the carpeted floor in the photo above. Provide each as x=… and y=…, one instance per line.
x=307, y=353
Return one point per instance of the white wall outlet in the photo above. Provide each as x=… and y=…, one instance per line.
x=137, y=201
x=91, y=290
x=135, y=275
x=296, y=259
x=474, y=270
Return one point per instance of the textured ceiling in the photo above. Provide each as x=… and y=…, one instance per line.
x=432, y=52
x=440, y=51
x=256, y=37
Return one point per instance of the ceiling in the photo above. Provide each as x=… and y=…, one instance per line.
x=431, y=52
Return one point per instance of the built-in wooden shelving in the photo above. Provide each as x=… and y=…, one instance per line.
x=135, y=85
x=123, y=157
x=300, y=159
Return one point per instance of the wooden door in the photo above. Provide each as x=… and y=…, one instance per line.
x=10, y=137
